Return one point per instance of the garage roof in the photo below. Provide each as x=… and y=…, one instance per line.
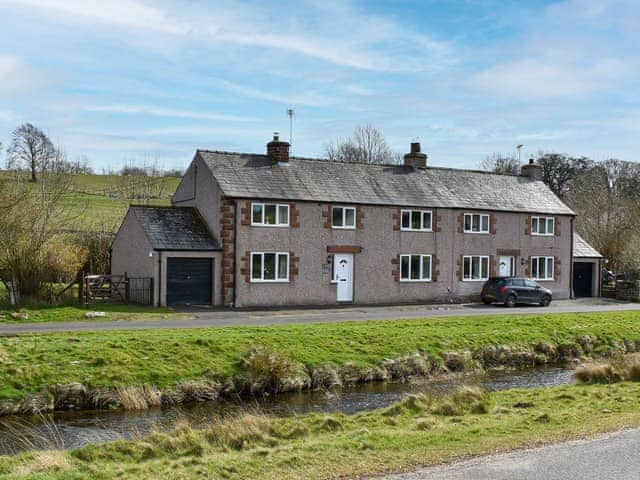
x=245, y=175
x=581, y=249
x=175, y=228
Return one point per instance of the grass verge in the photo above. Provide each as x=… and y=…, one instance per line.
x=352, y=351
x=74, y=313
x=414, y=432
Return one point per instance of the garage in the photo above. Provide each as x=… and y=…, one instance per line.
x=587, y=264
x=583, y=279
x=189, y=281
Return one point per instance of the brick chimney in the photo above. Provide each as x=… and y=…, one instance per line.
x=278, y=151
x=532, y=170
x=415, y=158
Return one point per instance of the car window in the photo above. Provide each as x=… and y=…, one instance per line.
x=531, y=284
x=517, y=282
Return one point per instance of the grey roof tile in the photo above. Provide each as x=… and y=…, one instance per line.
x=581, y=249
x=255, y=176
x=175, y=228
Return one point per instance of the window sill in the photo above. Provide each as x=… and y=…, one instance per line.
x=343, y=228
x=477, y=233
x=475, y=280
x=543, y=234
x=263, y=225
x=416, y=230
x=269, y=281
x=415, y=281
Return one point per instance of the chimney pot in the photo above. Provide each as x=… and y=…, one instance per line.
x=278, y=151
x=532, y=170
x=415, y=158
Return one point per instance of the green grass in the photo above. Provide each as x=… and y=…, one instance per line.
x=417, y=431
x=70, y=313
x=166, y=357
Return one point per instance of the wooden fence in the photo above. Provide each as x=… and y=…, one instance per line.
x=115, y=288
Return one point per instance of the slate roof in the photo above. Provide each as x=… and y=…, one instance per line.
x=243, y=175
x=581, y=249
x=175, y=228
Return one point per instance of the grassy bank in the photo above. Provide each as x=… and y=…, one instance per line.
x=314, y=355
x=72, y=313
x=417, y=431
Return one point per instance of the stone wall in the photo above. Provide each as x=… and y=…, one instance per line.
x=629, y=291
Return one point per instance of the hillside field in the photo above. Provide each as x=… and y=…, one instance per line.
x=99, y=202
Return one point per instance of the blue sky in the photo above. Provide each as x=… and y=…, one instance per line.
x=143, y=81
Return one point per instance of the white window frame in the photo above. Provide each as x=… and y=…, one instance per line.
x=263, y=205
x=548, y=221
x=277, y=268
x=547, y=278
x=422, y=278
x=483, y=278
x=344, y=216
x=481, y=216
x=423, y=228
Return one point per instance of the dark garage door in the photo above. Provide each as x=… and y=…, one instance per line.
x=188, y=281
x=583, y=279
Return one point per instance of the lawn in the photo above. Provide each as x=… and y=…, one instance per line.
x=418, y=431
x=166, y=357
x=71, y=313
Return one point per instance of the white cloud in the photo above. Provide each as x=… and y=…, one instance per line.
x=310, y=98
x=166, y=112
x=544, y=78
x=341, y=36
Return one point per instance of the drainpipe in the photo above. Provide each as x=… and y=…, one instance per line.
x=235, y=249
x=159, y=277
x=571, y=295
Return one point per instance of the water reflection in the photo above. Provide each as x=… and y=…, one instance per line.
x=75, y=429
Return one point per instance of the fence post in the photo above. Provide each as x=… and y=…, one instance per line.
x=127, y=290
x=81, y=288
x=151, y=293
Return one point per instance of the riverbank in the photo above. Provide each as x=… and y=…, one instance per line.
x=418, y=431
x=138, y=369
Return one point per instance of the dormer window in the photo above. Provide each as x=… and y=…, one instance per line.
x=270, y=214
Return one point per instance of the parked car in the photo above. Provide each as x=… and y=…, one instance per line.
x=514, y=290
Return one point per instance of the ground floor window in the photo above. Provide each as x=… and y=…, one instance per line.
x=269, y=267
x=542, y=268
x=415, y=268
x=475, y=268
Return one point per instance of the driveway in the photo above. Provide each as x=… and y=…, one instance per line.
x=612, y=457
x=224, y=318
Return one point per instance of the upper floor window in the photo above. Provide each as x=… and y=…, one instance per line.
x=415, y=268
x=542, y=268
x=542, y=225
x=343, y=217
x=270, y=214
x=476, y=223
x=269, y=267
x=416, y=220
x=475, y=268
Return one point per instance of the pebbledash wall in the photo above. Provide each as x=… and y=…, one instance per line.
x=381, y=242
x=309, y=237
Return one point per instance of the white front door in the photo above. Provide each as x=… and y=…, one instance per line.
x=343, y=264
x=507, y=266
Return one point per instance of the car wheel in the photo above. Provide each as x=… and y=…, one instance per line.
x=545, y=301
x=510, y=301
x=486, y=301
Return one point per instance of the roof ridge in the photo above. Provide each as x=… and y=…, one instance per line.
x=372, y=165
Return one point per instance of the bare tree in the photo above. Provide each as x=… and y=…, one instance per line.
x=31, y=149
x=558, y=170
x=604, y=195
x=500, y=163
x=365, y=145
